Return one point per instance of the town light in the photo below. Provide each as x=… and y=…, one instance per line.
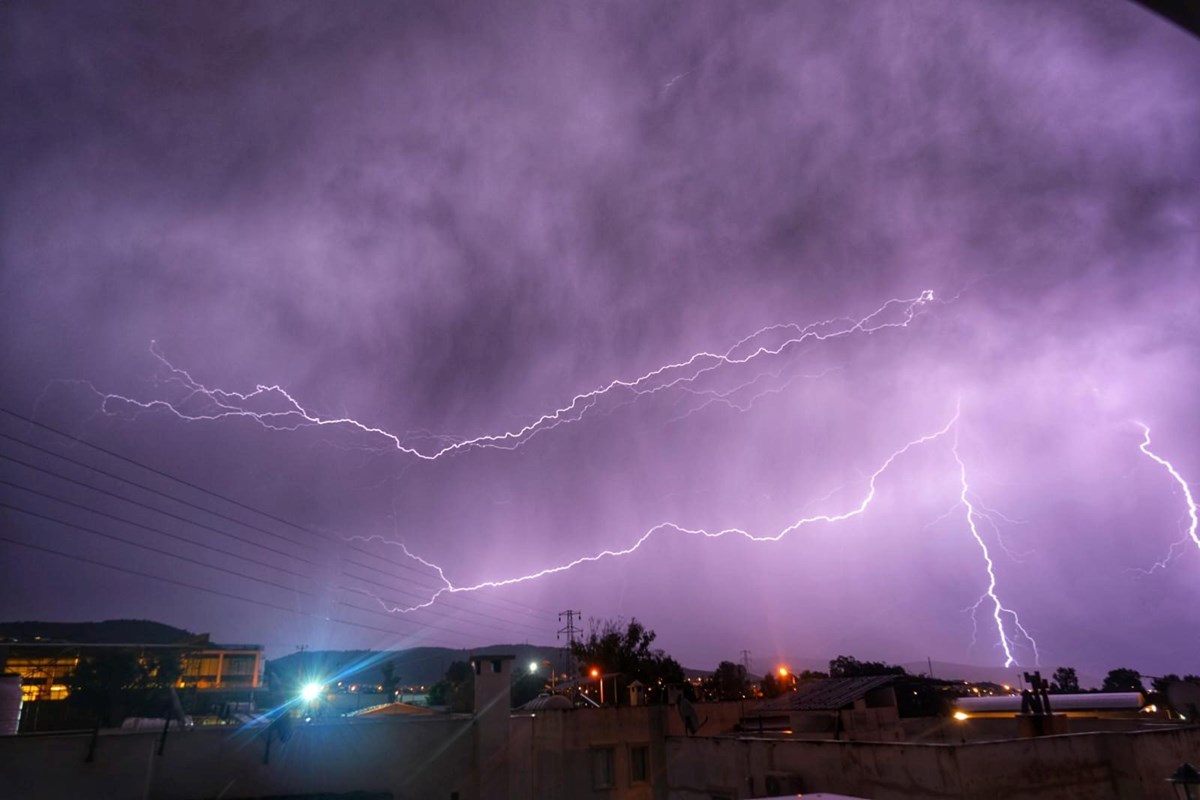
x=310, y=692
x=960, y=715
x=595, y=673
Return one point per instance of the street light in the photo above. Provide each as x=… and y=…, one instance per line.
x=533, y=667
x=1186, y=781
x=595, y=673
x=310, y=692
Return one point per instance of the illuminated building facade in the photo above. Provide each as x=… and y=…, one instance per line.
x=45, y=667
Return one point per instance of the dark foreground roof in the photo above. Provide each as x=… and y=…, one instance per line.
x=829, y=694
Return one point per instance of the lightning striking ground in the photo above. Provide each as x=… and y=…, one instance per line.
x=1008, y=641
x=989, y=597
x=289, y=415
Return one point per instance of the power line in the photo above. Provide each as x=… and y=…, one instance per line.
x=217, y=592
x=150, y=489
x=523, y=609
x=139, y=504
x=167, y=553
x=443, y=603
x=381, y=613
x=409, y=568
x=183, y=482
x=161, y=473
x=152, y=529
x=225, y=498
x=159, y=531
x=149, y=575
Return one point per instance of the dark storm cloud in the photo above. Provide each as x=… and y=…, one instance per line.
x=453, y=218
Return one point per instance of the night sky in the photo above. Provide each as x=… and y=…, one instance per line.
x=445, y=223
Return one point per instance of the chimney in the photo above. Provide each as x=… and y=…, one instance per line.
x=493, y=697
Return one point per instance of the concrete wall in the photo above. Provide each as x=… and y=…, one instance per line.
x=425, y=758
x=1129, y=766
x=551, y=753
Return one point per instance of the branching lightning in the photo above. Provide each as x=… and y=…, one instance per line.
x=274, y=408
x=989, y=596
x=290, y=414
x=1008, y=640
x=1189, y=500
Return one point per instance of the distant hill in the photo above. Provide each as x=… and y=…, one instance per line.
x=112, y=631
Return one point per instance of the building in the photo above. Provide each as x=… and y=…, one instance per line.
x=625, y=752
x=45, y=667
x=835, y=708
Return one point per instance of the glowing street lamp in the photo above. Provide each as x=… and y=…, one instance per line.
x=310, y=692
x=533, y=667
x=595, y=673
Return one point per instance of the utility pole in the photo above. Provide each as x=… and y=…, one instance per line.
x=570, y=629
x=746, y=660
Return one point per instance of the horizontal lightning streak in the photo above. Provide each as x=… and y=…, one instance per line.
x=293, y=416
x=450, y=588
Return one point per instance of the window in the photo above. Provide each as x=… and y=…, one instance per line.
x=639, y=763
x=603, y=768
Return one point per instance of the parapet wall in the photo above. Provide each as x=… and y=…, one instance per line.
x=400, y=758
x=1124, y=766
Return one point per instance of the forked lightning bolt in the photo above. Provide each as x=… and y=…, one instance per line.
x=989, y=597
x=1000, y=612
x=1187, y=496
x=290, y=414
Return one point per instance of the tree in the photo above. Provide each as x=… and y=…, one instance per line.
x=456, y=690
x=728, y=682
x=1065, y=681
x=1123, y=679
x=851, y=667
x=390, y=679
x=623, y=648
x=100, y=684
x=771, y=687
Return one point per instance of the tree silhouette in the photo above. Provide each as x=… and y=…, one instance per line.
x=456, y=690
x=100, y=683
x=1123, y=679
x=623, y=648
x=1065, y=681
x=390, y=679
x=851, y=667
x=728, y=682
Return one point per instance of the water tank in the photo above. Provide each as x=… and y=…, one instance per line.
x=10, y=704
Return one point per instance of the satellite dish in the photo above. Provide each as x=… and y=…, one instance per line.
x=1184, y=699
x=687, y=712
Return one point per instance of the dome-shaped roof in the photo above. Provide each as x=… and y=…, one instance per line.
x=548, y=702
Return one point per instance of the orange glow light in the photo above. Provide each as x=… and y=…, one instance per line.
x=783, y=673
x=595, y=672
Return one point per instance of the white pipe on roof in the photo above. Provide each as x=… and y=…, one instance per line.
x=1100, y=701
